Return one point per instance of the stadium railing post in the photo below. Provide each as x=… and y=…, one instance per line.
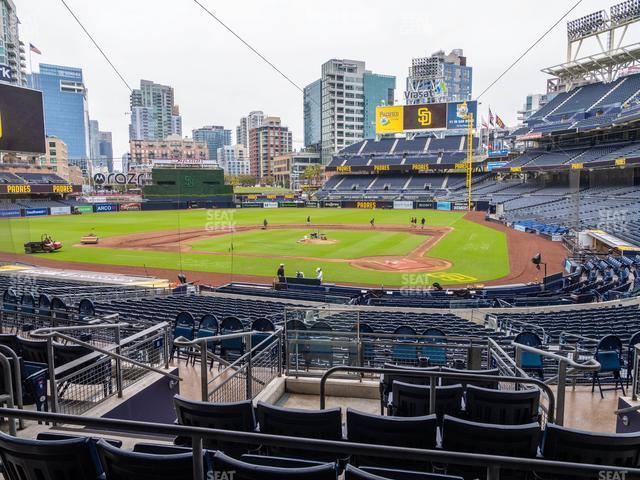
x=198, y=465
x=204, y=384
x=248, y=367
x=53, y=387
x=560, y=394
x=432, y=395
x=167, y=347
x=493, y=472
x=118, y=362
x=279, y=352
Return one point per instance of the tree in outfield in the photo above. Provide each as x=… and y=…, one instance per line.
x=246, y=180
x=232, y=180
x=312, y=174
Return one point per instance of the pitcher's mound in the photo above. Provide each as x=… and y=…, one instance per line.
x=317, y=241
x=401, y=264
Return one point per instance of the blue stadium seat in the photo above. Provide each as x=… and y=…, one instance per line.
x=251, y=471
x=25, y=459
x=530, y=361
x=120, y=464
x=609, y=354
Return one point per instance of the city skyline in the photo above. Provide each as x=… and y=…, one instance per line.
x=206, y=98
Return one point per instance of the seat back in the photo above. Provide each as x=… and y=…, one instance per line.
x=529, y=360
x=505, y=407
x=237, y=416
x=413, y=400
x=9, y=301
x=570, y=445
x=376, y=473
x=609, y=353
x=86, y=308
x=231, y=325
x=265, y=327
x=414, y=432
x=120, y=464
x=184, y=325
x=252, y=471
x=44, y=304
x=318, y=424
x=633, y=341
x=480, y=382
x=33, y=350
x=27, y=303
x=25, y=459
x=436, y=355
x=59, y=308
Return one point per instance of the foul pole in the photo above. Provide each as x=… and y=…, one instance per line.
x=469, y=157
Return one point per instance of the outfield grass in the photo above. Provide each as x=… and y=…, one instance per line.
x=284, y=242
x=478, y=253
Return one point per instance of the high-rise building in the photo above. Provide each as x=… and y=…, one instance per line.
x=533, y=103
x=312, y=114
x=173, y=149
x=56, y=157
x=288, y=169
x=349, y=95
x=253, y=120
x=153, y=112
x=439, y=78
x=66, y=113
x=176, y=121
x=378, y=90
x=267, y=141
x=100, y=148
x=12, y=56
x=215, y=136
x=233, y=159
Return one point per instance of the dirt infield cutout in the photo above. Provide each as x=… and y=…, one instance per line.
x=182, y=241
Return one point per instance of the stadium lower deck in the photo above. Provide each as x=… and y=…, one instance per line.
x=492, y=398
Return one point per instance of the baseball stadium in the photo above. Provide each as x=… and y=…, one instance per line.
x=451, y=301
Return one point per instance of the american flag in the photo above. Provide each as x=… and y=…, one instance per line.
x=490, y=116
x=34, y=49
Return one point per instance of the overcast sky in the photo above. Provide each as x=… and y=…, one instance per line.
x=217, y=79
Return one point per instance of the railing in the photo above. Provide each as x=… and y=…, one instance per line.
x=84, y=382
x=434, y=375
x=509, y=326
x=494, y=464
x=246, y=376
x=567, y=367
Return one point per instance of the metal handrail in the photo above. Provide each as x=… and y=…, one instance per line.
x=493, y=463
x=591, y=365
x=431, y=374
x=52, y=332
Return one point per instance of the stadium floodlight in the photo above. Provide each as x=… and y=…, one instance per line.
x=587, y=25
x=626, y=11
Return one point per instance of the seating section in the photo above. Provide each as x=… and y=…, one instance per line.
x=6, y=177
x=41, y=178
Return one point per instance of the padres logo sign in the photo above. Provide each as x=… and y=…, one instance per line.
x=424, y=116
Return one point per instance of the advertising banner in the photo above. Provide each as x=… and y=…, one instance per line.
x=426, y=116
x=14, y=212
x=403, y=205
x=429, y=205
x=36, y=212
x=251, y=204
x=332, y=204
x=462, y=206
x=457, y=114
x=493, y=165
x=270, y=205
x=498, y=153
x=106, y=207
x=129, y=207
x=389, y=119
x=443, y=206
x=312, y=204
x=292, y=204
x=60, y=210
x=85, y=208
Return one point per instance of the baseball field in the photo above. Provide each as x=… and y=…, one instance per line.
x=452, y=248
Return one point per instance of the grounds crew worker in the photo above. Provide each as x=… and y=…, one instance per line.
x=319, y=274
x=281, y=273
x=265, y=223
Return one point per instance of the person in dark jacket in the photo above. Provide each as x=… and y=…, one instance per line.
x=281, y=273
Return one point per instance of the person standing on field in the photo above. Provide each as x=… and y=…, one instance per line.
x=373, y=223
x=423, y=221
x=280, y=273
x=265, y=223
x=319, y=274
